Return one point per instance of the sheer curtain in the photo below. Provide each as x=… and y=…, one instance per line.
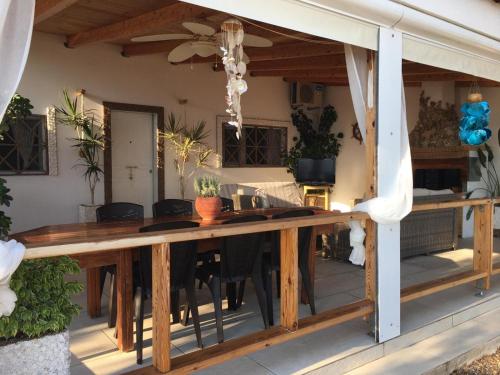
x=16, y=25
x=394, y=206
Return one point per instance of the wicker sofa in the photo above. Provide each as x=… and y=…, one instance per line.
x=422, y=232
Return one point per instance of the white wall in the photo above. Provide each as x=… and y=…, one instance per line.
x=148, y=80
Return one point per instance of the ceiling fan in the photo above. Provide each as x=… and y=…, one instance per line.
x=203, y=41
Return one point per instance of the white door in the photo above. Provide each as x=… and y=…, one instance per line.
x=132, y=154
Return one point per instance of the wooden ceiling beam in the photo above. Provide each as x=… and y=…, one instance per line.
x=143, y=24
x=149, y=48
x=303, y=74
x=44, y=9
x=300, y=63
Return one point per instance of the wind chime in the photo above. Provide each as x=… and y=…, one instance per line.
x=235, y=67
x=475, y=118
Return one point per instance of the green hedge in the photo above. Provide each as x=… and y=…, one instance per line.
x=43, y=298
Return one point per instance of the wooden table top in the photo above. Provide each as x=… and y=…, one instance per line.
x=61, y=233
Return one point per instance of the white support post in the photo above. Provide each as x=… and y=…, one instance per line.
x=388, y=157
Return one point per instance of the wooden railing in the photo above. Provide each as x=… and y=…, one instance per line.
x=290, y=325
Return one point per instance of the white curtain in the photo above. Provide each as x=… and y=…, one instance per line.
x=395, y=205
x=16, y=25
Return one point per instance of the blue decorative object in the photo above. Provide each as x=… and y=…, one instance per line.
x=474, y=123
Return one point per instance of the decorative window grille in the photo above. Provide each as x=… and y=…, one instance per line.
x=259, y=146
x=23, y=150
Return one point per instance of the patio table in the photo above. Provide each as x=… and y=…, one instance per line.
x=123, y=258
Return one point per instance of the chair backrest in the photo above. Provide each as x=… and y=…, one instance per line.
x=182, y=256
x=119, y=211
x=304, y=236
x=172, y=207
x=227, y=204
x=247, y=202
x=241, y=255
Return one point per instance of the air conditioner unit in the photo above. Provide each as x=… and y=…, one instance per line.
x=306, y=96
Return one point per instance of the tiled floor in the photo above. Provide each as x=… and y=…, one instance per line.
x=94, y=348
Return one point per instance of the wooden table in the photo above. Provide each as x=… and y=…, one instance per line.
x=123, y=258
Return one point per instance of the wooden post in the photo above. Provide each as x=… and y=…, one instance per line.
x=161, y=307
x=93, y=292
x=371, y=191
x=289, y=269
x=483, y=241
x=124, y=301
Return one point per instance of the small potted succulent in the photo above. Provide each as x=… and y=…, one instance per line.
x=208, y=203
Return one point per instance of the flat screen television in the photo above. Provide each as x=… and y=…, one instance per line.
x=316, y=171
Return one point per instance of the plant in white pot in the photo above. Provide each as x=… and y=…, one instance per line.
x=34, y=338
x=208, y=203
x=491, y=182
x=89, y=142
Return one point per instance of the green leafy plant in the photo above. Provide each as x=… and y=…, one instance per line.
x=89, y=140
x=18, y=109
x=314, y=143
x=43, y=299
x=491, y=181
x=189, y=146
x=207, y=186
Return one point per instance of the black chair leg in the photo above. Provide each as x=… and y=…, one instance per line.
x=139, y=323
x=176, y=314
x=268, y=287
x=241, y=293
x=102, y=278
x=185, y=315
x=231, y=296
x=193, y=306
x=306, y=282
x=261, y=297
x=278, y=283
x=214, y=285
x=112, y=302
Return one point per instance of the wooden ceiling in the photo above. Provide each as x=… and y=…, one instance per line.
x=117, y=21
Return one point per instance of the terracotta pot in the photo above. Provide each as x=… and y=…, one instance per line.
x=208, y=208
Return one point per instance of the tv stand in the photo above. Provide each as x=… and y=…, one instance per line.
x=317, y=195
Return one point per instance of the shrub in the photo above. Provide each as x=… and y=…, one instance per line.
x=43, y=299
x=207, y=186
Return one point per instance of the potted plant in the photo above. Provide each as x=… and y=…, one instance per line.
x=314, y=142
x=34, y=339
x=89, y=142
x=489, y=176
x=208, y=203
x=188, y=144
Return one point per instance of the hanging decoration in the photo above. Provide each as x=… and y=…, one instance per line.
x=475, y=118
x=235, y=67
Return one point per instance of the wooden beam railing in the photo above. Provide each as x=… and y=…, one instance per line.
x=290, y=325
x=483, y=249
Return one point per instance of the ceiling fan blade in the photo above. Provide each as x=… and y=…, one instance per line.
x=204, y=49
x=251, y=40
x=199, y=28
x=160, y=37
x=181, y=53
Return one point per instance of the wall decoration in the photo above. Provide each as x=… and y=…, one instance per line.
x=436, y=125
x=356, y=133
x=52, y=141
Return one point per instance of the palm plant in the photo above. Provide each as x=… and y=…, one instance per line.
x=491, y=181
x=89, y=140
x=188, y=144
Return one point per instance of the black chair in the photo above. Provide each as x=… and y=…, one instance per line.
x=227, y=204
x=240, y=258
x=172, y=207
x=182, y=276
x=112, y=212
x=271, y=261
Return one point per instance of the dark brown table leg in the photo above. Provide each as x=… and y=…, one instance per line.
x=124, y=301
x=93, y=292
